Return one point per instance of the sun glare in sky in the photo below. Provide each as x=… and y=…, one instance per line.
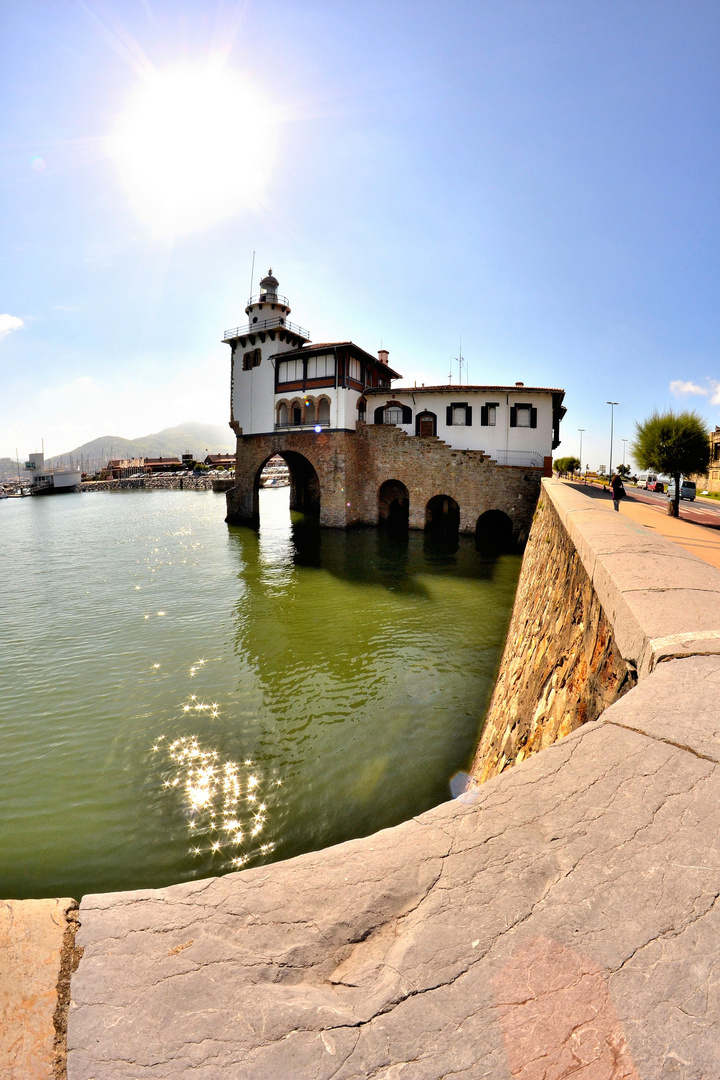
x=195, y=146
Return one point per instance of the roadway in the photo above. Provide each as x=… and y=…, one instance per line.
x=700, y=512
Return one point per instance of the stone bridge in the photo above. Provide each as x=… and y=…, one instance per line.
x=378, y=473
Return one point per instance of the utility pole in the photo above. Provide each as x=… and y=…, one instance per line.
x=581, y=429
x=612, y=405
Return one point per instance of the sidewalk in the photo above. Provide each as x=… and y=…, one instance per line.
x=700, y=541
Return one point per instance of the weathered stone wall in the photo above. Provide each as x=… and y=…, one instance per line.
x=561, y=666
x=351, y=466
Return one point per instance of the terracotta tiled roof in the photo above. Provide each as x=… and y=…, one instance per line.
x=445, y=389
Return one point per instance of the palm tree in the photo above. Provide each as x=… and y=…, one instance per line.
x=673, y=443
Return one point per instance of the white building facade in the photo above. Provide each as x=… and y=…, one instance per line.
x=514, y=425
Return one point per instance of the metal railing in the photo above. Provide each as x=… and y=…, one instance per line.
x=531, y=459
x=266, y=324
x=268, y=298
x=309, y=425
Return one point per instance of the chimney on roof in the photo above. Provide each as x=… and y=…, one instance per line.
x=383, y=356
x=519, y=383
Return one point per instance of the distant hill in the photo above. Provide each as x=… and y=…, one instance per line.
x=195, y=439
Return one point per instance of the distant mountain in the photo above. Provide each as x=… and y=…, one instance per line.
x=195, y=439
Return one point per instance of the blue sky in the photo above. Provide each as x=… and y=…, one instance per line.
x=539, y=178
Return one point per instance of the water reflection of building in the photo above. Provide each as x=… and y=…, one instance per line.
x=366, y=650
x=360, y=451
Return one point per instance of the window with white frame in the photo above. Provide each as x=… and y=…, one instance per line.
x=290, y=371
x=488, y=414
x=459, y=416
x=354, y=370
x=393, y=415
x=523, y=415
x=320, y=367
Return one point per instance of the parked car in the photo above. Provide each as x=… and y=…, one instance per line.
x=687, y=490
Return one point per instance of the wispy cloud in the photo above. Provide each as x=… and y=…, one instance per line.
x=687, y=388
x=684, y=388
x=8, y=323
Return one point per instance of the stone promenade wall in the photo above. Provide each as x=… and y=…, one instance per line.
x=561, y=665
x=599, y=604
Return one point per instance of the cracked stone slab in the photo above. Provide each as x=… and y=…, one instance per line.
x=560, y=919
x=678, y=705
x=32, y=934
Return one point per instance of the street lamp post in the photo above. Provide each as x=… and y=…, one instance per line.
x=612, y=405
x=624, y=449
x=581, y=429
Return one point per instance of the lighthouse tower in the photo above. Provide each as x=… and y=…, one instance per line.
x=252, y=381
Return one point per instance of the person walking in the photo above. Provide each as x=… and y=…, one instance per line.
x=618, y=490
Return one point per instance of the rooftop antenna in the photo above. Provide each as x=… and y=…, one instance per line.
x=460, y=360
x=252, y=273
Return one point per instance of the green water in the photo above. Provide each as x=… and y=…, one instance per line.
x=179, y=698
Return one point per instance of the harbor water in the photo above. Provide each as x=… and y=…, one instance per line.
x=181, y=698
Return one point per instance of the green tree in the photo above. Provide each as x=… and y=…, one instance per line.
x=673, y=443
x=566, y=465
x=623, y=470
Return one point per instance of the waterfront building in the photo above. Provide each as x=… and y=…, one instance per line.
x=710, y=481
x=361, y=451
x=46, y=481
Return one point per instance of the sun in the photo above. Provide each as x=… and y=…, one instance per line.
x=194, y=147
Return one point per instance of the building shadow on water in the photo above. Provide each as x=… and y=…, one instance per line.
x=396, y=559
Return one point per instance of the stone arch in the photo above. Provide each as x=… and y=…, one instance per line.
x=323, y=410
x=426, y=423
x=297, y=410
x=494, y=533
x=282, y=413
x=304, y=483
x=361, y=408
x=442, y=517
x=393, y=505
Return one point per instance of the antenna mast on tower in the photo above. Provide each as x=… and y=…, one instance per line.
x=460, y=360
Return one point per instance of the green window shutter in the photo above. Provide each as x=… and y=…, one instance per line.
x=448, y=416
x=468, y=415
x=533, y=416
x=513, y=416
